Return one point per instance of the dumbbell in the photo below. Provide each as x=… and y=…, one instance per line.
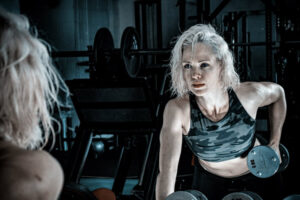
x=244, y=195
x=187, y=195
x=292, y=197
x=263, y=161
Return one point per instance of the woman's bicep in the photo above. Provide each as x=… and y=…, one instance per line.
x=170, y=139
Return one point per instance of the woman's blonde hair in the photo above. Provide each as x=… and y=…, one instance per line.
x=29, y=84
x=206, y=34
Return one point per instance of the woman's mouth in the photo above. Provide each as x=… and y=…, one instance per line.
x=198, y=85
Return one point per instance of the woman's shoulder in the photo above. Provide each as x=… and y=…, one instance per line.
x=27, y=161
x=35, y=169
x=178, y=103
x=254, y=89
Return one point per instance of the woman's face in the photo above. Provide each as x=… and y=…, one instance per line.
x=201, y=69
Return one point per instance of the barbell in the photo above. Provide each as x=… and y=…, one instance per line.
x=103, y=51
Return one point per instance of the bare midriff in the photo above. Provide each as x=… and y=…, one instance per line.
x=228, y=169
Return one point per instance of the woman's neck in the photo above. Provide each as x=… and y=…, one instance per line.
x=214, y=105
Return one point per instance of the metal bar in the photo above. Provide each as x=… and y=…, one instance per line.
x=181, y=4
x=268, y=20
x=123, y=167
x=207, y=11
x=149, y=51
x=144, y=27
x=251, y=44
x=79, y=154
x=141, y=180
x=159, y=25
x=199, y=16
x=249, y=50
x=72, y=53
x=113, y=105
x=219, y=8
x=137, y=17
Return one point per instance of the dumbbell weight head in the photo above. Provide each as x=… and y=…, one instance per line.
x=285, y=158
x=254, y=195
x=187, y=195
x=244, y=195
x=292, y=197
x=263, y=161
x=237, y=195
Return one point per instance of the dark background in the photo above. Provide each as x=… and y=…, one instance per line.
x=267, y=31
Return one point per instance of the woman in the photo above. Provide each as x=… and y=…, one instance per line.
x=215, y=114
x=28, y=89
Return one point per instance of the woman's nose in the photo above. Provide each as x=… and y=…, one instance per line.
x=196, y=74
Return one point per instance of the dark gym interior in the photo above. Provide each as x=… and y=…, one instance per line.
x=110, y=125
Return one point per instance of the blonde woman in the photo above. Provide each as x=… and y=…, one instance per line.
x=215, y=114
x=28, y=90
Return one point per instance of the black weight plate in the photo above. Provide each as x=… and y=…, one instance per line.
x=103, y=42
x=285, y=158
x=130, y=41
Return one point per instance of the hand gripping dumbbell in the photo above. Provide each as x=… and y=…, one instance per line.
x=187, y=195
x=244, y=195
x=263, y=161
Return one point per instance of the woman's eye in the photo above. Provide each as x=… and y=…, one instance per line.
x=203, y=65
x=187, y=66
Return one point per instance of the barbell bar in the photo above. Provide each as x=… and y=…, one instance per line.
x=103, y=50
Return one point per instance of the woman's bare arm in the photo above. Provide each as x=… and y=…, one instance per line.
x=260, y=94
x=170, y=150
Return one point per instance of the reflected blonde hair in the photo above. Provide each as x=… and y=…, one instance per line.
x=29, y=84
x=206, y=34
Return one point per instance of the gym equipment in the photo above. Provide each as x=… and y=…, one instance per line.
x=264, y=162
x=292, y=197
x=103, y=50
x=103, y=42
x=104, y=194
x=244, y=195
x=130, y=41
x=187, y=195
x=73, y=191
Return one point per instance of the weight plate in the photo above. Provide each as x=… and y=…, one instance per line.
x=254, y=195
x=199, y=195
x=292, y=197
x=263, y=161
x=237, y=195
x=285, y=158
x=103, y=43
x=180, y=195
x=130, y=41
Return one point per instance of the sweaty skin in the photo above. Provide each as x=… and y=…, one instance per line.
x=201, y=74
